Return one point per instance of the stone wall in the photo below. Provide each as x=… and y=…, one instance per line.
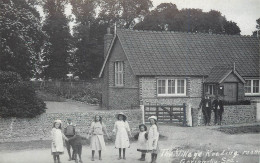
x=233, y=114
x=17, y=129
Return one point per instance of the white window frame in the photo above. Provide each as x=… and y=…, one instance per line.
x=251, y=93
x=119, y=73
x=166, y=94
x=210, y=86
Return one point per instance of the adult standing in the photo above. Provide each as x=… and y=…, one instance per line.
x=206, y=109
x=69, y=132
x=218, y=109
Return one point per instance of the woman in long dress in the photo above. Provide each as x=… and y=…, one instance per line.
x=122, y=129
x=97, y=130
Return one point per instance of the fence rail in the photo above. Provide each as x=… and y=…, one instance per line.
x=167, y=113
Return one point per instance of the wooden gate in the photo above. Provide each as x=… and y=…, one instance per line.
x=175, y=114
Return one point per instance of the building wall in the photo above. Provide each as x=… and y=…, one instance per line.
x=233, y=114
x=240, y=85
x=120, y=97
x=148, y=93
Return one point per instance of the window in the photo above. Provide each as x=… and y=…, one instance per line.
x=119, y=73
x=210, y=89
x=252, y=87
x=171, y=87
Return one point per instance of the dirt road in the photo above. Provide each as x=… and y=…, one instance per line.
x=183, y=144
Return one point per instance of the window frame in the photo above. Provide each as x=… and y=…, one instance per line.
x=119, y=73
x=210, y=86
x=251, y=93
x=166, y=94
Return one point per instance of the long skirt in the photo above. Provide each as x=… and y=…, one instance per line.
x=97, y=142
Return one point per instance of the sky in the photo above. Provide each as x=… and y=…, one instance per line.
x=243, y=12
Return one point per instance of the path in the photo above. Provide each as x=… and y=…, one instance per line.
x=69, y=106
x=189, y=139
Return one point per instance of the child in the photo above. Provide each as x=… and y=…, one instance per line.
x=69, y=131
x=121, y=128
x=97, y=138
x=76, y=143
x=153, y=136
x=142, y=137
x=57, y=141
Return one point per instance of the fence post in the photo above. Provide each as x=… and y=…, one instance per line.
x=157, y=113
x=171, y=110
x=184, y=114
x=143, y=112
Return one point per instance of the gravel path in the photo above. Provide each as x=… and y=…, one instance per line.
x=207, y=140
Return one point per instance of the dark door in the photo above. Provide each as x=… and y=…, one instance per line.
x=230, y=92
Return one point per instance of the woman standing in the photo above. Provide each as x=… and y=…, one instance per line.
x=97, y=139
x=121, y=128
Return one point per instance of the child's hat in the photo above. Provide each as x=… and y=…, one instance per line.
x=57, y=121
x=121, y=113
x=153, y=117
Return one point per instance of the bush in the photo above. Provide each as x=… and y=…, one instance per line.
x=18, y=98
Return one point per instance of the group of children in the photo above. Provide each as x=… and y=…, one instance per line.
x=147, y=141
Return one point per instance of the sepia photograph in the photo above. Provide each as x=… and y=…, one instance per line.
x=130, y=81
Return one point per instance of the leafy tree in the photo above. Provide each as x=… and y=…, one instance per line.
x=166, y=16
x=86, y=57
x=56, y=54
x=257, y=27
x=21, y=37
x=18, y=98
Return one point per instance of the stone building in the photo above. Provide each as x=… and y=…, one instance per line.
x=148, y=67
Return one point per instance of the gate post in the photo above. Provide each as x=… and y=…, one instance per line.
x=157, y=113
x=184, y=114
x=142, y=109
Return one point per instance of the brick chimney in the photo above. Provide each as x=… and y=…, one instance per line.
x=107, y=41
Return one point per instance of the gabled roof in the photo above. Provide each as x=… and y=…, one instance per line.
x=167, y=53
x=219, y=73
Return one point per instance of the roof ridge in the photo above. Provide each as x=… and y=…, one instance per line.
x=200, y=33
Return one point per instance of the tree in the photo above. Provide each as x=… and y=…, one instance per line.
x=257, y=27
x=18, y=98
x=87, y=55
x=161, y=18
x=21, y=37
x=56, y=54
x=166, y=16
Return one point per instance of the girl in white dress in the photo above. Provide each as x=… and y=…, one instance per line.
x=121, y=128
x=57, y=141
x=97, y=139
x=153, y=136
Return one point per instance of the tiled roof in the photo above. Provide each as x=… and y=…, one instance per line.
x=220, y=72
x=187, y=54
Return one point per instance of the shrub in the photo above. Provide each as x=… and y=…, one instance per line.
x=18, y=98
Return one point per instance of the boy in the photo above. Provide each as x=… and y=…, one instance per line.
x=69, y=131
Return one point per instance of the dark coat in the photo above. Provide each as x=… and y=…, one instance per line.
x=204, y=102
x=218, y=103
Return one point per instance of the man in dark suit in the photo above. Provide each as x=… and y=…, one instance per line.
x=218, y=109
x=206, y=109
